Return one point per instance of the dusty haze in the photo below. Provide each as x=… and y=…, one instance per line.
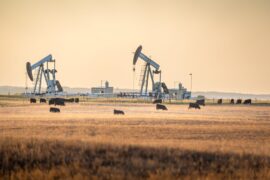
x=225, y=44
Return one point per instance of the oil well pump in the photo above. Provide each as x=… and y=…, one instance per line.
x=43, y=69
x=148, y=72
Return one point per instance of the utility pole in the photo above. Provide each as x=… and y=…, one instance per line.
x=26, y=84
x=133, y=80
x=190, y=82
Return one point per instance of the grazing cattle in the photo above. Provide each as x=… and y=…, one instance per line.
x=239, y=101
x=219, y=101
x=33, y=100
x=42, y=100
x=157, y=101
x=194, y=105
x=162, y=107
x=232, y=101
x=201, y=102
x=115, y=111
x=247, y=101
x=51, y=101
x=77, y=100
x=71, y=100
x=54, y=110
x=57, y=101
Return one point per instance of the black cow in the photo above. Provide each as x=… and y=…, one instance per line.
x=54, y=110
x=51, y=101
x=160, y=106
x=33, y=100
x=42, y=100
x=194, y=105
x=232, y=101
x=239, y=101
x=247, y=101
x=57, y=101
x=77, y=100
x=219, y=101
x=71, y=100
x=201, y=102
x=157, y=101
x=115, y=111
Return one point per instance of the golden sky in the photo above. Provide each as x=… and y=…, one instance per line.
x=224, y=44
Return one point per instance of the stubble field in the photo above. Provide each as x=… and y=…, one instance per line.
x=87, y=141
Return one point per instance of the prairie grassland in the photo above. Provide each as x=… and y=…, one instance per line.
x=87, y=141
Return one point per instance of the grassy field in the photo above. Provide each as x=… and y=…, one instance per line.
x=87, y=141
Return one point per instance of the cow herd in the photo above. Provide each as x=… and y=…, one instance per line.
x=158, y=102
x=55, y=102
x=197, y=104
x=238, y=101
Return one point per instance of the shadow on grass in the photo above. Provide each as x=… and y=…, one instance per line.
x=42, y=159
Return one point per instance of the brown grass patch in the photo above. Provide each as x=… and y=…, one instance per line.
x=88, y=141
x=37, y=159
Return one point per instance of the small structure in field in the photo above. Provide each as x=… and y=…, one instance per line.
x=180, y=93
x=104, y=91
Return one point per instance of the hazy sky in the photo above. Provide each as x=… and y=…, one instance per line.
x=225, y=44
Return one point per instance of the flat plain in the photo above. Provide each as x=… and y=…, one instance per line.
x=87, y=141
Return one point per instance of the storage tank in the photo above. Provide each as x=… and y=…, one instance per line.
x=106, y=84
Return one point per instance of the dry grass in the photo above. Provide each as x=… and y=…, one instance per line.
x=36, y=159
x=86, y=140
